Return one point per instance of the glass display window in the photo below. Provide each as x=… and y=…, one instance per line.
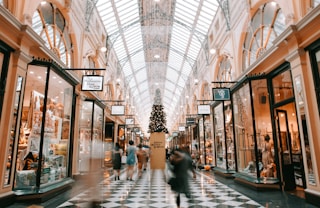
x=91, y=136
x=263, y=126
x=5, y=51
x=85, y=127
x=43, y=149
x=243, y=127
x=219, y=136
x=224, y=140
x=13, y=131
x=282, y=87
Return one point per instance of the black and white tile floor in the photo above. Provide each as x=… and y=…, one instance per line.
x=152, y=191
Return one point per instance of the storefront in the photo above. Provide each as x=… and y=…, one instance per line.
x=91, y=141
x=4, y=64
x=45, y=130
x=310, y=121
x=266, y=130
x=205, y=142
x=224, y=138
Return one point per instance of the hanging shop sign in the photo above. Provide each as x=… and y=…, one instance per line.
x=203, y=109
x=136, y=129
x=182, y=128
x=190, y=121
x=175, y=134
x=129, y=121
x=92, y=83
x=117, y=110
x=220, y=94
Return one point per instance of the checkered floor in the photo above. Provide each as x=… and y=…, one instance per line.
x=152, y=191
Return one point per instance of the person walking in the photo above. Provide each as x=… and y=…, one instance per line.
x=142, y=157
x=116, y=161
x=131, y=159
x=180, y=181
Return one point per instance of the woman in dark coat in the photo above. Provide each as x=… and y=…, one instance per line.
x=180, y=182
x=116, y=161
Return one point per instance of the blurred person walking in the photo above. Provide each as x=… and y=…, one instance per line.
x=116, y=161
x=180, y=181
x=142, y=158
x=131, y=159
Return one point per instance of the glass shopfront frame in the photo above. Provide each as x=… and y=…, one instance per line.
x=43, y=156
x=224, y=137
x=314, y=51
x=286, y=130
x=5, y=51
x=205, y=145
x=253, y=131
x=91, y=131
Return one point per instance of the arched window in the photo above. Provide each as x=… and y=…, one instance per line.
x=266, y=25
x=50, y=24
x=225, y=70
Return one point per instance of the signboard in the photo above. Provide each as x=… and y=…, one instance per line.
x=190, y=121
x=92, y=83
x=204, y=109
x=117, y=110
x=174, y=134
x=136, y=129
x=182, y=128
x=129, y=121
x=220, y=94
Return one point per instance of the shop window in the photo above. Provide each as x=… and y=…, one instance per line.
x=244, y=135
x=264, y=140
x=85, y=126
x=265, y=26
x=49, y=23
x=282, y=87
x=2, y=85
x=43, y=149
x=4, y=65
x=90, y=141
x=13, y=131
x=219, y=136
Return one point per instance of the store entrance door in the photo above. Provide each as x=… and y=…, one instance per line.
x=285, y=154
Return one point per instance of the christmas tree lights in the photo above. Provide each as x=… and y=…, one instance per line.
x=158, y=120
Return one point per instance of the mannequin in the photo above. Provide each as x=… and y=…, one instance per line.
x=267, y=158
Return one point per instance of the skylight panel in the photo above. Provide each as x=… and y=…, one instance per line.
x=188, y=3
x=143, y=86
x=141, y=75
x=205, y=19
x=172, y=75
x=134, y=88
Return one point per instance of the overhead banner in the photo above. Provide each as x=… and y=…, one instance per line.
x=220, y=94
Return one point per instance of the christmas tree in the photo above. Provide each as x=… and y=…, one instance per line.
x=158, y=117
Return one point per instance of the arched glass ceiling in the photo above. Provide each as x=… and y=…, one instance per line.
x=175, y=30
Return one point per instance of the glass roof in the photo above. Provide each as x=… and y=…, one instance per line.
x=157, y=43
